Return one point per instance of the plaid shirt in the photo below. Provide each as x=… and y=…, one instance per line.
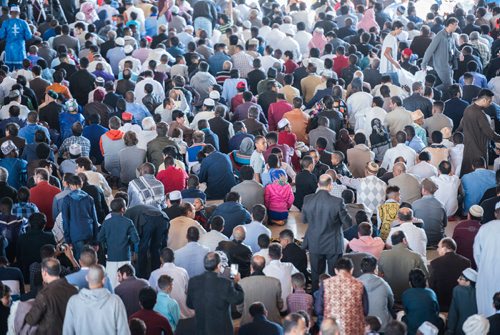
x=300, y=300
x=84, y=143
x=484, y=51
x=23, y=210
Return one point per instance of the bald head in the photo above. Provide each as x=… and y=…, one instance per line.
x=399, y=168
x=325, y=181
x=405, y=214
x=258, y=263
x=95, y=276
x=239, y=233
x=333, y=174
x=329, y=326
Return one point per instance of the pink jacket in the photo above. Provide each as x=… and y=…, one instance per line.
x=278, y=198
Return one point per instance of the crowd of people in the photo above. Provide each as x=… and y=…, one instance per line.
x=149, y=147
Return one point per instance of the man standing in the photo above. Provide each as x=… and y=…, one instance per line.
x=95, y=308
x=477, y=130
x=486, y=254
x=15, y=31
x=146, y=190
x=443, y=52
x=325, y=215
x=212, y=305
x=49, y=307
x=79, y=216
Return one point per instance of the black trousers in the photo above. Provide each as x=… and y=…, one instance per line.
x=318, y=266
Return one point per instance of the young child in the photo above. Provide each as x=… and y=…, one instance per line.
x=372, y=325
x=299, y=299
x=462, y=303
x=278, y=197
x=177, y=136
x=165, y=305
x=285, y=136
x=23, y=208
x=318, y=299
x=201, y=215
x=116, y=235
x=338, y=164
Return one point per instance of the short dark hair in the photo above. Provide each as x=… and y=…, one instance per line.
x=211, y=261
x=37, y=221
x=127, y=269
x=344, y=263
x=217, y=223
x=256, y=309
x=259, y=212
x=291, y=321
x=275, y=251
x=167, y=255
x=395, y=328
x=164, y=281
x=51, y=266
x=397, y=237
x=496, y=301
x=368, y=264
x=117, y=205
x=263, y=241
x=147, y=298
x=417, y=278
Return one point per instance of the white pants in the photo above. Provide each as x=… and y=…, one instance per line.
x=112, y=271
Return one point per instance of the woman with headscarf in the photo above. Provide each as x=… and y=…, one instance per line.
x=379, y=139
x=344, y=142
x=88, y=9
x=368, y=21
x=242, y=156
x=318, y=40
x=278, y=197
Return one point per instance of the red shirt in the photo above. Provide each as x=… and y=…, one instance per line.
x=464, y=234
x=173, y=179
x=285, y=137
x=156, y=324
x=340, y=62
x=42, y=195
x=290, y=66
x=276, y=111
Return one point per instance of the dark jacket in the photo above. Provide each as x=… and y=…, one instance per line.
x=220, y=127
x=50, y=114
x=81, y=84
x=101, y=206
x=262, y=326
x=494, y=324
x=417, y=101
x=294, y=254
x=463, y=305
x=155, y=150
x=443, y=274
x=206, y=9
x=28, y=249
x=454, y=109
x=216, y=170
x=117, y=234
x=237, y=253
x=324, y=214
x=128, y=291
x=305, y=183
x=211, y=297
x=420, y=305
x=234, y=214
x=79, y=217
x=49, y=307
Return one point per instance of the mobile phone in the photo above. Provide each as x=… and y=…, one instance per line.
x=234, y=270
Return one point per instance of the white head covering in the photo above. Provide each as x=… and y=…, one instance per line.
x=476, y=325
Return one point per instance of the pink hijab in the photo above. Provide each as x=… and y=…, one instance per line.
x=368, y=21
x=318, y=40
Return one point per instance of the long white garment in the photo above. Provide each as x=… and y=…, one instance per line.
x=487, y=257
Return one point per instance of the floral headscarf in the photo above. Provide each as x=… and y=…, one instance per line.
x=278, y=176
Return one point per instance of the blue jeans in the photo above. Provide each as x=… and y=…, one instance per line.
x=77, y=248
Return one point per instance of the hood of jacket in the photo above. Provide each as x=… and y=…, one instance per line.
x=97, y=298
x=114, y=134
x=78, y=195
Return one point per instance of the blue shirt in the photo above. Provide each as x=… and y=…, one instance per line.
x=17, y=169
x=78, y=279
x=261, y=325
x=28, y=132
x=416, y=144
x=216, y=61
x=138, y=111
x=254, y=230
x=169, y=308
x=190, y=257
x=479, y=80
x=475, y=184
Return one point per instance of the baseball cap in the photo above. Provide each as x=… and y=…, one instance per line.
x=126, y=116
x=215, y=95
x=407, y=52
x=75, y=149
x=241, y=85
x=175, y=195
x=7, y=147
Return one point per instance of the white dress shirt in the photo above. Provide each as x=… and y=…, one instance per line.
x=303, y=38
x=283, y=272
x=4, y=112
x=400, y=150
x=456, y=157
x=190, y=257
x=267, y=61
x=417, y=240
x=447, y=192
x=212, y=238
x=179, y=287
x=264, y=253
x=356, y=103
x=254, y=230
x=139, y=92
x=423, y=170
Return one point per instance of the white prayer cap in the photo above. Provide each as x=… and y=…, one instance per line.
x=15, y=9
x=428, y=328
x=476, y=325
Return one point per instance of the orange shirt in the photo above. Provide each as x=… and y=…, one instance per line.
x=298, y=121
x=60, y=89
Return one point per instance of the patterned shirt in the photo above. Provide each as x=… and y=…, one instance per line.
x=84, y=143
x=243, y=62
x=484, y=51
x=370, y=190
x=23, y=210
x=299, y=300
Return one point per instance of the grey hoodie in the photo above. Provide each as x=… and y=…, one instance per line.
x=96, y=312
x=380, y=297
